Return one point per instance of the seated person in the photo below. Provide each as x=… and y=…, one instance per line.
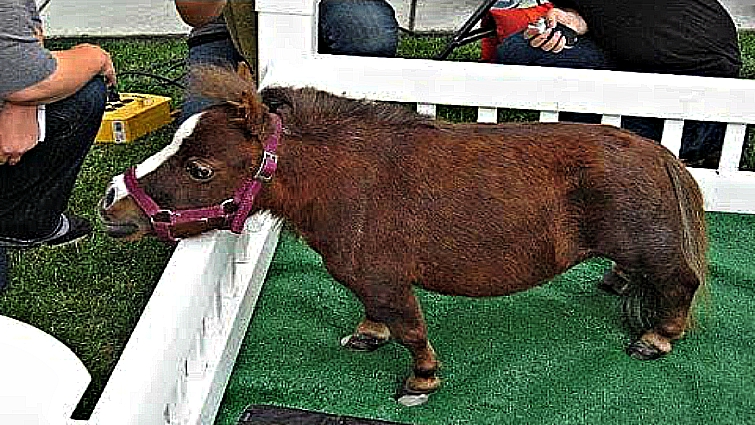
x=225, y=33
x=41, y=152
x=686, y=37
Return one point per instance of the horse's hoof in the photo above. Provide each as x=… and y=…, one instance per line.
x=362, y=342
x=642, y=350
x=411, y=400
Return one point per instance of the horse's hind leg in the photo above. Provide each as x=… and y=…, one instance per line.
x=616, y=281
x=657, y=307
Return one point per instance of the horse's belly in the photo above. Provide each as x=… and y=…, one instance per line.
x=486, y=280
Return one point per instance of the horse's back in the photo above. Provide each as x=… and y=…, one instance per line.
x=511, y=205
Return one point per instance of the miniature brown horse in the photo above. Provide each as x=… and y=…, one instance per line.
x=392, y=199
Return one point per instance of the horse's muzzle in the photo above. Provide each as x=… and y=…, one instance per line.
x=121, y=218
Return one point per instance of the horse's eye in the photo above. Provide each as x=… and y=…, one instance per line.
x=199, y=171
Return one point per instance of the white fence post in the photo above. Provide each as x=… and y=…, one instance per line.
x=286, y=28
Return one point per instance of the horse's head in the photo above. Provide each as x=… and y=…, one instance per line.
x=207, y=177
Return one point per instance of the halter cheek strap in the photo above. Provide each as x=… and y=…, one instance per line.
x=233, y=212
x=245, y=194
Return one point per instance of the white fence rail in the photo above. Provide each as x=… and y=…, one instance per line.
x=177, y=362
x=550, y=91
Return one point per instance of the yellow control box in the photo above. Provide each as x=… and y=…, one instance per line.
x=133, y=116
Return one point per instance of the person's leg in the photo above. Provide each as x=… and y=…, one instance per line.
x=516, y=50
x=652, y=128
x=220, y=53
x=35, y=192
x=702, y=143
x=358, y=28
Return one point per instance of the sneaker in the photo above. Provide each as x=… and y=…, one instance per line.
x=71, y=229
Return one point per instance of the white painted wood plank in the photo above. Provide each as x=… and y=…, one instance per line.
x=731, y=153
x=672, y=135
x=548, y=116
x=150, y=379
x=487, y=115
x=733, y=192
x=523, y=87
x=609, y=119
x=428, y=109
x=251, y=275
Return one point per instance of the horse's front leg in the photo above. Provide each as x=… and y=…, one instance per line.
x=395, y=309
x=368, y=336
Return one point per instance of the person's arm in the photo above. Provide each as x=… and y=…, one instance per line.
x=75, y=67
x=19, y=131
x=197, y=12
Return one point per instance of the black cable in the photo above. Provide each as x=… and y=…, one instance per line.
x=155, y=76
x=43, y=5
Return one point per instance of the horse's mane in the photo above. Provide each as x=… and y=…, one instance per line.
x=311, y=109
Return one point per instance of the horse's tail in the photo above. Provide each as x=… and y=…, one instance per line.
x=692, y=216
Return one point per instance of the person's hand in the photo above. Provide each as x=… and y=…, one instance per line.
x=19, y=131
x=556, y=43
x=108, y=69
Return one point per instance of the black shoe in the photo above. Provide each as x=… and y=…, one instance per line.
x=70, y=229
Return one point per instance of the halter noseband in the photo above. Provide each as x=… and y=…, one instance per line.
x=233, y=212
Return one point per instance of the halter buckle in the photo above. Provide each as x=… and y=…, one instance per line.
x=162, y=216
x=267, y=168
x=229, y=206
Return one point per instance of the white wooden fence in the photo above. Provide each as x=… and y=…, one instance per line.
x=290, y=60
x=177, y=362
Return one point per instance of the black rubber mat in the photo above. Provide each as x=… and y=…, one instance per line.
x=273, y=415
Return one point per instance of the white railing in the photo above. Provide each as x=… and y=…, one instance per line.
x=287, y=47
x=176, y=364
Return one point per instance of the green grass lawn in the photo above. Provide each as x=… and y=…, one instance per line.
x=90, y=296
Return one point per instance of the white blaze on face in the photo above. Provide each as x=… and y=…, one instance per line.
x=152, y=163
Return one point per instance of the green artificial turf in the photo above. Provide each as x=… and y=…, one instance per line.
x=550, y=355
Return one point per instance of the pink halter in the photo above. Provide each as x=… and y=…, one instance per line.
x=233, y=212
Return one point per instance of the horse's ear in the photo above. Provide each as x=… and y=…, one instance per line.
x=245, y=72
x=255, y=113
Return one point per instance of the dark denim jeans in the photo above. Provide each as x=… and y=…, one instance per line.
x=347, y=27
x=35, y=192
x=220, y=53
x=358, y=28
x=700, y=140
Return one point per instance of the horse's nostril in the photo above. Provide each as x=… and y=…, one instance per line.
x=109, y=198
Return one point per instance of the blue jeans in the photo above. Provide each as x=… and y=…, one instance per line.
x=347, y=27
x=35, y=192
x=358, y=28
x=220, y=53
x=700, y=140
